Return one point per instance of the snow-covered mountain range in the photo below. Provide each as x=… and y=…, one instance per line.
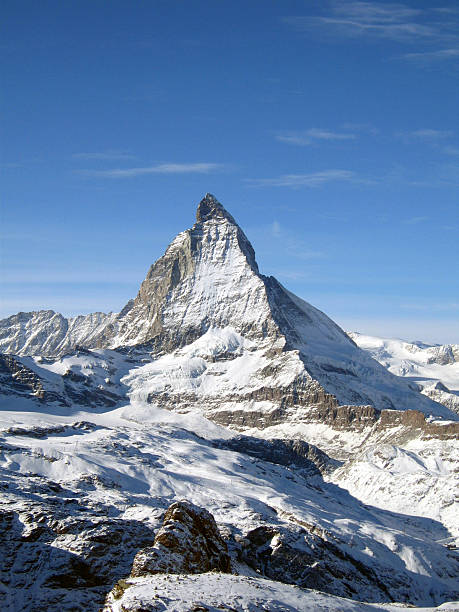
x=434, y=368
x=216, y=385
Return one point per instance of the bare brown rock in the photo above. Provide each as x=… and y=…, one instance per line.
x=414, y=422
x=188, y=542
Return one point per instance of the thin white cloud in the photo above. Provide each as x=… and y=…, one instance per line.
x=313, y=179
x=12, y=165
x=429, y=56
x=276, y=230
x=308, y=137
x=293, y=246
x=428, y=135
x=398, y=31
x=104, y=155
x=416, y=220
x=199, y=168
x=375, y=12
x=449, y=10
x=365, y=128
x=436, y=139
x=375, y=19
x=290, y=275
x=378, y=20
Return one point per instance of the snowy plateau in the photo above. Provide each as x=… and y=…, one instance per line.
x=220, y=444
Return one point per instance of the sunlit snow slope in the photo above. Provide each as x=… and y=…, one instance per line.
x=434, y=368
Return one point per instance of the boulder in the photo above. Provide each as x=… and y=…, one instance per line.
x=188, y=542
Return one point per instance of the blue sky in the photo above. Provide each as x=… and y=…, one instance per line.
x=328, y=129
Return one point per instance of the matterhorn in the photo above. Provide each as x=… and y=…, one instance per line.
x=218, y=444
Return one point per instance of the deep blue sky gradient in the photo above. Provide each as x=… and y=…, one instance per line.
x=328, y=129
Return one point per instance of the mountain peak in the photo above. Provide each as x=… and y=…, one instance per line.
x=210, y=208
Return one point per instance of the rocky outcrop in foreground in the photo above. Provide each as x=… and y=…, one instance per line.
x=188, y=542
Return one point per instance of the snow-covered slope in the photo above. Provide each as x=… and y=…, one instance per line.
x=434, y=368
x=214, y=592
x=82, y=493
x=420, y=475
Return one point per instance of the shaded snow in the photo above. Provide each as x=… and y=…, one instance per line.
x=151, y=463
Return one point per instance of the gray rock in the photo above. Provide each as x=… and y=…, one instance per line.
x=305, y=459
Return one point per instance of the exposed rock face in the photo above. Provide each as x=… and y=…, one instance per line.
x=188, y=289
x=441, y=394
x=187, y=543
x=304, y=458
x=323, y=409
x=415, y=422
x=59, y=550
x=29, y=378
x=446, y=354
x=16, y=378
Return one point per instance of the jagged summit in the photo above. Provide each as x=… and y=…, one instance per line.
x=210, y=208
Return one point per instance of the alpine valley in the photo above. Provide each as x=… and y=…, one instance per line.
x=220, y=444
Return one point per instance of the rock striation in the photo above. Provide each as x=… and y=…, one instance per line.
x=305, y=459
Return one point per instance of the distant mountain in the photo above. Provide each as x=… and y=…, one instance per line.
x=49, y=334
x=434, y=368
